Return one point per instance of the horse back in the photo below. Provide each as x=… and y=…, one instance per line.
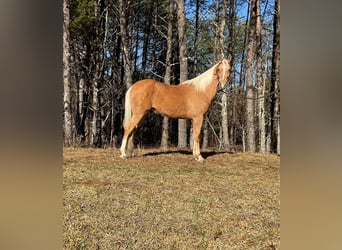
x=178, y=101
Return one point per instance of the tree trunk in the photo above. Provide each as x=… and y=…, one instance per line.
x=66, y=76
x=216, y=55
x=205, y=122
x=196, y=38
x=250, y=135
x=183, y=61
x=231, y=29
x=195, y=59
x=224, y=98
x=224, y=116
x=83, y=94
x=97, y=81
x=222, y=27
x=243, y=140
x=165, y=128
x=217, y=31
x=205, y=133
x=268, y=142
x=259, y=81
x=155, y=36
x=94, y=86
x=147, y=32
x=125, y=43
x=275, y=78
x=230, y=51
x=243, y=63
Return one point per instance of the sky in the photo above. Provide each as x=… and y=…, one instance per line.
x=207, y=12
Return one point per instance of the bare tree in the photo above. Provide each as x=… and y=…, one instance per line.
x=216, y=51
x=259, y=82
x=96, y=107
x=183, y=61
x=224, y=98
x=113, y=43
x=165, y=128
x=146, y=38
x=66, y=75
x=230, y=52
x=196, y=54
x=243, y=57
x=275, y=77
x=124, y=7
x=196, y=38
x=95, y=85
x=250, y=115
x=196, y=47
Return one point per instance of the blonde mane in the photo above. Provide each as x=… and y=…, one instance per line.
x=201, y=82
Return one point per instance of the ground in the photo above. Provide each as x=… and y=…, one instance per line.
x=167, y=200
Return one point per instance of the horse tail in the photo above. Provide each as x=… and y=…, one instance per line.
x=128, y=107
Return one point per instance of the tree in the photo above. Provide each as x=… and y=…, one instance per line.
x=230, y=52
x=275, y=77
x=245, y=37
x=147, y=32
x=196, y=38
x=113, y=43
x=259, y=82
x=66, y=75
x=250, y=115
x=183, y=64
x=165, y=128
x=96, y=120
x=224, y=97
x=124, y=7
x=195, y=66
x=82, y=32
x=216, y=52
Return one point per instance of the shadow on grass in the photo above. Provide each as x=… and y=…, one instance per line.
x=205, y=154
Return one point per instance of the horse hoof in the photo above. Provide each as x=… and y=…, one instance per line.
x=123, y=156
x=200, y=159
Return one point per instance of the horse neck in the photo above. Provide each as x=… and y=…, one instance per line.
x=211, y=89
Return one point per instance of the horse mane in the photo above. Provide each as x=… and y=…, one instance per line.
x=201, y=81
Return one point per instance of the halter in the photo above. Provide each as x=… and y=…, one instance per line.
x=219, y=83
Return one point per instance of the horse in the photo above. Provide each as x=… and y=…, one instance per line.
x=188, y=100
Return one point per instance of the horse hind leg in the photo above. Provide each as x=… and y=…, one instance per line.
x=127, y=147
x=127, y=141
x=130, y=145
x=123, y=148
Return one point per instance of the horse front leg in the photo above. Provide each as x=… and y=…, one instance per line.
x=197, y=124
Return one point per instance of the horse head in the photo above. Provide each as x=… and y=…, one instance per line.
x=223, y=71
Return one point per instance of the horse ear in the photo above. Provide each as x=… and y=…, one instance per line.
x=229, y=57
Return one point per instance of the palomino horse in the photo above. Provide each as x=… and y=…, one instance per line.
x=188, y=100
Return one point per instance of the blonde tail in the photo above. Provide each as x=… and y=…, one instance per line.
x=127, y=139
x=128, y=108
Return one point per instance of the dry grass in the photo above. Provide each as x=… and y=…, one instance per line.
x=166, y=200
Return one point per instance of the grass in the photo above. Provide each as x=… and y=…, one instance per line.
x=166, y=200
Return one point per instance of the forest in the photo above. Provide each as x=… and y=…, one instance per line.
x=108, y=45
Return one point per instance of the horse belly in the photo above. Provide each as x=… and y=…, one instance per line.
x=171, y=107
